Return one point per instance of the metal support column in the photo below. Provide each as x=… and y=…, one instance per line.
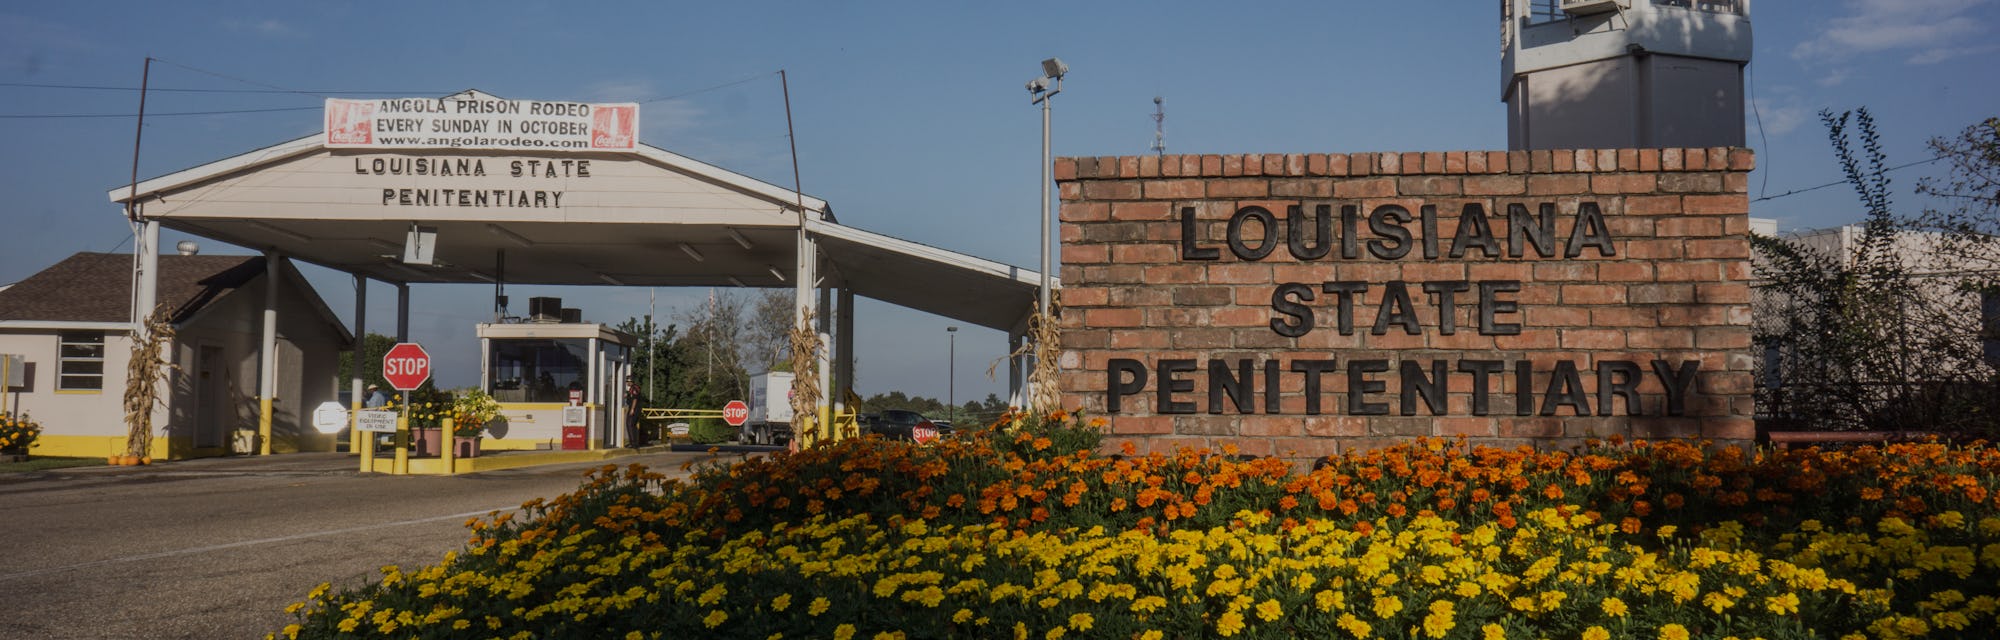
x=358, y=360
x=843, y=349
x=267, y=355
x=147, y=289
x=402, y=461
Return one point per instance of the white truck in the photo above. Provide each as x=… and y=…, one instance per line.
x=770, y=409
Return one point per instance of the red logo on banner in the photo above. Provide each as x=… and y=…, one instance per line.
x=611, y=127
x=350, y=122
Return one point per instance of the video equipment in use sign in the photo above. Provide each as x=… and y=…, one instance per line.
x=476, y=121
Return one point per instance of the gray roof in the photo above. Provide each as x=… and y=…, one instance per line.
x=97, y=287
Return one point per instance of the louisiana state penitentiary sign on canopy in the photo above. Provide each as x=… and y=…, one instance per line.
x=1289, y=303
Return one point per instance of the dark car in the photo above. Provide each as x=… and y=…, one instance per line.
x=900, y=425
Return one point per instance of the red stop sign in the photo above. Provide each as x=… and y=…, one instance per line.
x=735, y=413
x=406, y=366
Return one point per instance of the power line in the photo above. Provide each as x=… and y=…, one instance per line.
x=25, y=116
x=724, y=85
x=88, y=87
x=1841, y=182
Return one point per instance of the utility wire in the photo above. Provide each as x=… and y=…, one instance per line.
x=24, y=116
x=1841, y=182
x=703, y=91
x=32, y=85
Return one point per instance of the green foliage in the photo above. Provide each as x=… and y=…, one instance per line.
x=1864, y=339
x=373, y=346
x=710, y=431
x=1967, y=209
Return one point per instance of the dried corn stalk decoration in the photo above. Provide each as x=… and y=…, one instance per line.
x=806, y=429
x=1047, y=348
x=142, y=382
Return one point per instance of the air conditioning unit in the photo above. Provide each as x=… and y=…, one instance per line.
x=545, y=309
x=1588, y=7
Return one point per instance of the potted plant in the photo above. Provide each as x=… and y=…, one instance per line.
x=426, y=424
x=471, y=410
x=17, y=435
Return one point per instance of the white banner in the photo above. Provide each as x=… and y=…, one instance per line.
x=481, y=122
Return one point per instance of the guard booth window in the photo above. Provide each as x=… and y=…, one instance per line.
x=538, y=370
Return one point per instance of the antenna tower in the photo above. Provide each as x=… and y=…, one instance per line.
x=1159, y=126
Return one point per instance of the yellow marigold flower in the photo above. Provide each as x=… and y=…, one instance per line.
x=843, y=632
x=1329, y=600
x=715, y=618
x=1152, y=634
x=1440, y=621
x=1783, y=604
x=1614, y=607
x=1229, y=624
x=963, y=616
x=1492, y=632
x=1596, y=633
x=1055, y=633
x=1353, y=626
x=1667, y=531
x=1387, y=606
x=1081, y=621
x=1466, y=590
x=818, y=606
x=1673, y=631
x=782, y=602
x=712, y=595
x=1270, y=610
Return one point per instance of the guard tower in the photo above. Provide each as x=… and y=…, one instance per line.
x=1594, y=74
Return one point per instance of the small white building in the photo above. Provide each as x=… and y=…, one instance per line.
x=72, y=325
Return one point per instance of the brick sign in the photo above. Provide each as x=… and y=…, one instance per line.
x=1290, y=304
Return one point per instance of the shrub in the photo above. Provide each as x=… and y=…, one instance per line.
x=18, y=434
x=1010, y=531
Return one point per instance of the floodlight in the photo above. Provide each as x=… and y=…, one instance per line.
x=1054, y=68
x=1038, y=85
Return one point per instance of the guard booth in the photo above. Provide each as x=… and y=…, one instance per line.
x=538, y=367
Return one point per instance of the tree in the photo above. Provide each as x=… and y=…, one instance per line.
x=767, y=331
x=1865, y=339
x=1969, y=216
x=373, y=346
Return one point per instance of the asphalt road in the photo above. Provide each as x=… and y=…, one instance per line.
x=218, y=548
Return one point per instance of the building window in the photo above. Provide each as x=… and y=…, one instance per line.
x=81, y=361
x=538, y=370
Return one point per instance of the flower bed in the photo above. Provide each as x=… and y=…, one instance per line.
x=1027, y=532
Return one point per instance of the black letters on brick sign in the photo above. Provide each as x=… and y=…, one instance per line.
x=1359, y=385
x=1473, y=231
x=1627, y=388
x=1295, y=227
x=1237, y=385
x=1313, y=369
x=1264, y=219
x=1115, y=389
x=1191, y=248
x=1482, y=371
x=1432, y=388
x=1289, y=300
x=1491, y=305
x=1677, y=382
x=1171, y=384
x=1395, y=309
x=1393, y=240
x=1541, y=230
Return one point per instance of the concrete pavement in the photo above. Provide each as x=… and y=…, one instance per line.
x=217, y=548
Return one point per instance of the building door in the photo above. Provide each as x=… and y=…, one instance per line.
x=209, y=404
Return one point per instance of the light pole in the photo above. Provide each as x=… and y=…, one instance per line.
x=1052, y=68
x=951, y=375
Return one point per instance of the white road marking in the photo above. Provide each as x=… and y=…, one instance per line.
x=248, y=543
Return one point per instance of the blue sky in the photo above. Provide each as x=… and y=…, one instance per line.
x=911, y=117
